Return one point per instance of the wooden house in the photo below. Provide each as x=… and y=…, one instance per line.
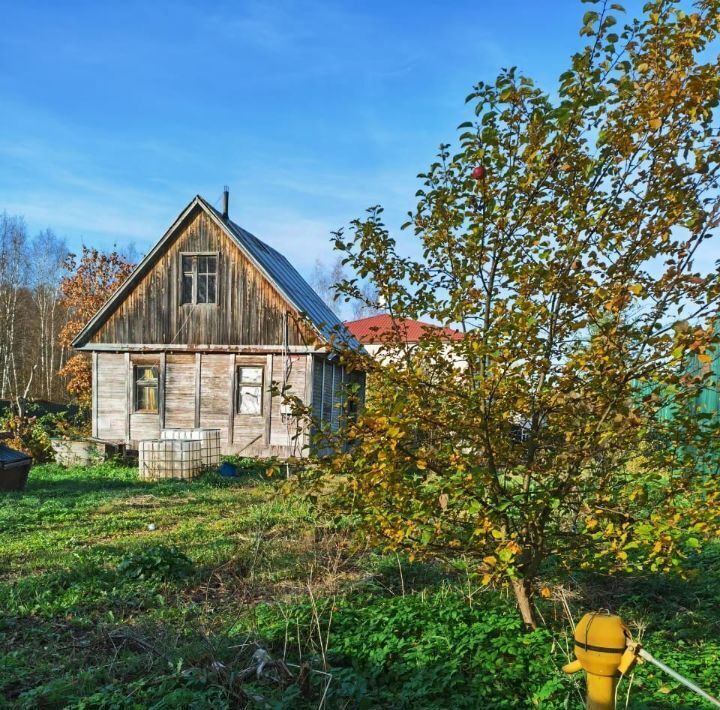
x=199, y=332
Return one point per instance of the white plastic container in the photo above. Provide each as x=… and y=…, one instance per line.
x=208, y=438
x=170, y=458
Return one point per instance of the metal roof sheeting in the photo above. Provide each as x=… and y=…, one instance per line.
x=288, y=281
x=273, y=265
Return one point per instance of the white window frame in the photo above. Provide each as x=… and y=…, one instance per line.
x=241, y=382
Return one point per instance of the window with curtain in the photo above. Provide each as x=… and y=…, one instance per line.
x=199, y=278
x=146, y=388
x=249, y=390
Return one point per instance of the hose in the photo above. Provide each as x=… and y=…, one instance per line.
x=681, y=679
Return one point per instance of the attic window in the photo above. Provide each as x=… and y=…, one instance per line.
x=199, y=278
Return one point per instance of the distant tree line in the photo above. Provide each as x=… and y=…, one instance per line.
x=45, y=295
x=31, y=313
x=364, y=302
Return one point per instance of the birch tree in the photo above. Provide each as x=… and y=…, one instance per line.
x=48, y=254
x=14, y=266
x=324, y=279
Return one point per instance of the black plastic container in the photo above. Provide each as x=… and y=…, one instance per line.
x=14, y=468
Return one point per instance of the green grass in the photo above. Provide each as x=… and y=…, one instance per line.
x=117, y=593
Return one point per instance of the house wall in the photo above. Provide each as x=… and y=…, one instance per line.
x=179, y=380
x=110, y=411
x=198, y=390
x=249, y=310
x=330, y=381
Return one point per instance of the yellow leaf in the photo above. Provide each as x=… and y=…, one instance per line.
x=655, y=123
x=514, y=547
x=490, y=560
x=545, y=592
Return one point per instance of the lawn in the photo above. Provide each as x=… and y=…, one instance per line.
x=116, y=593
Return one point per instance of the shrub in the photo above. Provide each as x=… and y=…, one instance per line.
x=28, y=435
x=70, y=423
x=426, y=650
x=157, y=563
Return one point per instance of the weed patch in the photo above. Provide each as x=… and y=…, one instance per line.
x=116, y=592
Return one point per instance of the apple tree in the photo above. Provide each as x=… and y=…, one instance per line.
x=564, y=234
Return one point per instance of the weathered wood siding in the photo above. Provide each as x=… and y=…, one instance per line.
x=198, y=389
x=329, y=396
x=283, y=428
x=179, y=391
x=110, y=405
x=329, y=382
x=249, y=311
x=216, y=394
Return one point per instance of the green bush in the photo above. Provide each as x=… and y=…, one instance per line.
x=427, y=651
x=26, y=434
x=70, y=423
x=158, y=563
x=31, y=432
x=256, y=467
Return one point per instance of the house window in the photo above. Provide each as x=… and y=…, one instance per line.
x=249, y=390
x=199, y=278
x=146, y=388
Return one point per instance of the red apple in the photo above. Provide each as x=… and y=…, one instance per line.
x=479, y=172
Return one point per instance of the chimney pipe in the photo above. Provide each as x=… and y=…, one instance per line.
x=226, y=202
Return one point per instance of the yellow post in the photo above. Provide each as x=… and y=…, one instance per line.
x=600, y=646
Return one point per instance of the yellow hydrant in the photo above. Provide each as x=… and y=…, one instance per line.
x=601, y=649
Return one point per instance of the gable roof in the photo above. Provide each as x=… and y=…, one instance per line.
x=383, y=327
x=273, y=265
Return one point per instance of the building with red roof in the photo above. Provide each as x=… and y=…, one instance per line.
x=374, y=331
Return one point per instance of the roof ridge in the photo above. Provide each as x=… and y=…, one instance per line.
x=236, y=226
x=274, y=266
x=399, y=318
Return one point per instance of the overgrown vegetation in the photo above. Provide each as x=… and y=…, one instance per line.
x=121, y=593
x=32, y=430
x=88, y=284
x=563, y=235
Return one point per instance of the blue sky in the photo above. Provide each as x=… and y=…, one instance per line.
x=113, y=115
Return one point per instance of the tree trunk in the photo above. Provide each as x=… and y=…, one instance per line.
x=523, y=595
